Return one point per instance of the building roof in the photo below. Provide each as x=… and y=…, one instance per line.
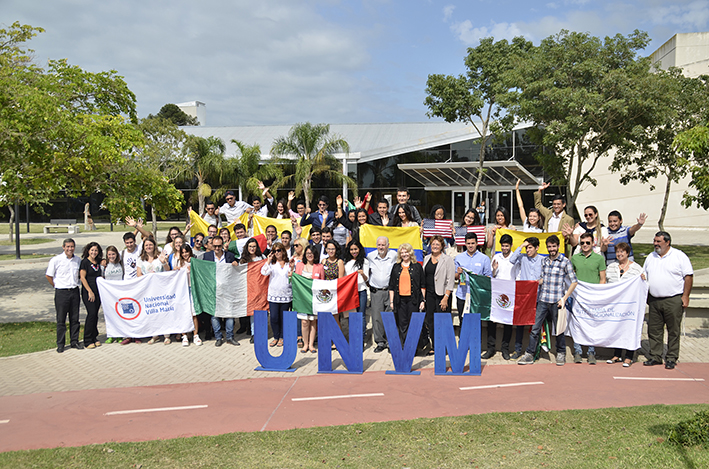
x=367, y=141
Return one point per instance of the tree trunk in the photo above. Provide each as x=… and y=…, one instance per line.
x=200, y=195
x=663, y=212
x=481, y=163
x=155, y=221
x=12, y=221
x=306, y=193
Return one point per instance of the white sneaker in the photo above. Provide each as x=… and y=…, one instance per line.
x=185, y=341
x=197, y=340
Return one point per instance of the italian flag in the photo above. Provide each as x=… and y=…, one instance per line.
x=225, y=291
x=503, y=301
x=324, y=296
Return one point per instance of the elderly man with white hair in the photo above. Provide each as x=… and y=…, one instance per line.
x=381, y=262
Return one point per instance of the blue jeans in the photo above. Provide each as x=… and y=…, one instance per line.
x=217, y=327
x=363, y=309
x=577, y=347
x=277, y=310
x=548, y=311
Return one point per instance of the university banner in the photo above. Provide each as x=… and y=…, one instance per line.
x=324, y=296
x=503, y=301
x=154, y=304
x=609, y=315
x=518, y=238
x=397, y=236
x=200, y=226
x=260, y=223
x=225, y=291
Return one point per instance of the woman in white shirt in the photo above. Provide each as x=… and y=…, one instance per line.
x=619, y=271
x=113, y=271
x=532, y=222
x=403, y=217
x=184, y=262
x=357, y=262
x=150, y=263
x=280, y=293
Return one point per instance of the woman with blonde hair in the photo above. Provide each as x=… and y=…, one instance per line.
x=407, y=289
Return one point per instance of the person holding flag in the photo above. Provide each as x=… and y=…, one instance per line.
x=556, y=271
x=474, y=262
x=530, y=268
x=502, y=268
x=232, y=209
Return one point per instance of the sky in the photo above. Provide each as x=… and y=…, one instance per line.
x=265, y=62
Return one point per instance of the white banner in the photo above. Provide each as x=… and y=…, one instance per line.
x=609, y=315
x=154, y=304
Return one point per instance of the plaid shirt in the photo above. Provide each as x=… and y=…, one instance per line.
x=553, y=274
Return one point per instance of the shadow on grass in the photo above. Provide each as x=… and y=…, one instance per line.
x=662, y=431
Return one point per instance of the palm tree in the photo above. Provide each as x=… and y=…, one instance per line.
x=313, y=148
x=250, y=171
x=206, y=162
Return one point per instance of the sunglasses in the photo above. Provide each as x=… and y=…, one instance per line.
x=584, y=243
x=278, y=250
x=588, y=215
x=230, y=198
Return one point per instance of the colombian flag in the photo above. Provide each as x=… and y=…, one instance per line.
x=518, y=238
x=397, y=236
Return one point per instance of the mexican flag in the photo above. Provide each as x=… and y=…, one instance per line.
x=503, y=301
x=324, y=296
x=225, y=291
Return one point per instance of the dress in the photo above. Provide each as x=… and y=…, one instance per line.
x=332, y=269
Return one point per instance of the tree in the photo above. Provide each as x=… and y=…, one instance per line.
x=59, y=128
x=250, y=171
x=174, y=114
x=206, y=163
x=584, y=95
x=680, y=104
x=695, y=142
x=479, y=97
x=312, y=148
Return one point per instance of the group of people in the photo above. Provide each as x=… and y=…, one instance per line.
x=392, y=280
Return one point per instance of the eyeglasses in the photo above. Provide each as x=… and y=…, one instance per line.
x=322, y=205
x=584, y=243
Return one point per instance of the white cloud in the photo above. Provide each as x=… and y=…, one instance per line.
x=692, y=15
x=448, y=12
x=470, y=35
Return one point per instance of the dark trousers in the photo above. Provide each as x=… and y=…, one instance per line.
x=363, y=309
x=404, y=310
x=506, y=336
x=433, y=306
x=91, y=324
x=66, y=302
x=545, y=311
x=277, y=310
x=664, y=312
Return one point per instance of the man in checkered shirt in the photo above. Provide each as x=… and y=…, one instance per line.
x=556, y=271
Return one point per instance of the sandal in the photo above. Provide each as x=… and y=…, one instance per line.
x=167, y=341
x=280, y=343
x=313, y=350
x=614, y=360
x=152, y=341
x=304, y=350
x=301, y=344
x=97, y=344
x=273, y=343
x=627, y=363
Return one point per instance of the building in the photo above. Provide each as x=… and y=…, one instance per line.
x=195, y=109
x=436, y=161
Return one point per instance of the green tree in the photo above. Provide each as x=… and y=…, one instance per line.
x=312, y=150
x=206, y=163
x=695, y=142
x=250, y=171
x=585, y=95
x=59, y=128
x=680, y=104
x=479, y=97
x=174, y=114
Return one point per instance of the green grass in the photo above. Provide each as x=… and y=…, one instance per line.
x=699, y=255
x=26, y=241
x=12, y=257
x=17, y=338
x=632, y=437
x=101, y=227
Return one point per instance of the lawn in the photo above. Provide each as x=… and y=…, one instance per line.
x=26, y=241
x=17, y=338
x=699, y=255
x=102, y=227
x=12, y=257
x=631, y=437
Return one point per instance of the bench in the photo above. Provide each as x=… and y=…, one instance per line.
x=61, y=224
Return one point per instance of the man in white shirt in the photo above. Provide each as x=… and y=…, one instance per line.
x=670, y=277
x=381, y=262
x=232, y=209
x=502, y=268
x=211, y=215
x=63, y=275
x=131, y=254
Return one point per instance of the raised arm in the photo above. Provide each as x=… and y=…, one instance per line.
x=520, y=204
x=130, y=221
x=641, y=221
